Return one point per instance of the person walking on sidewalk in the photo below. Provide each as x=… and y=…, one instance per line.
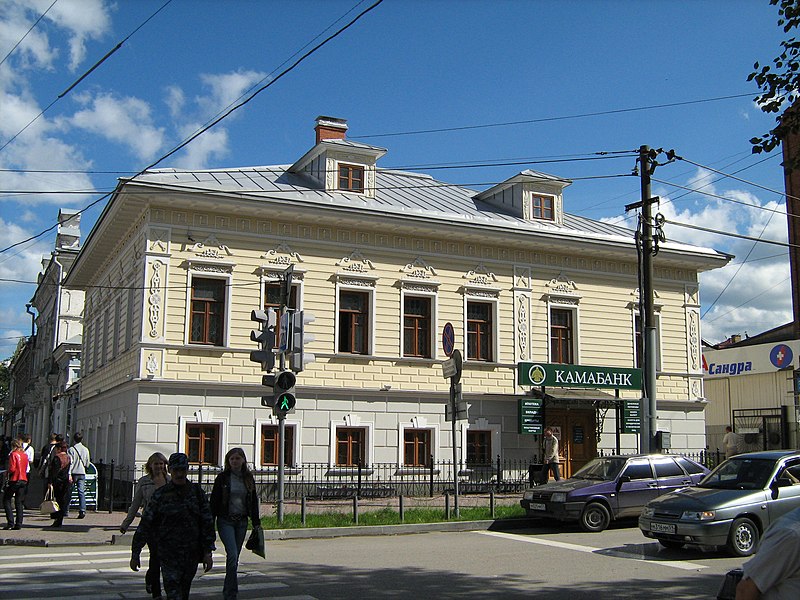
x=550, y=455
x=155, y=477
x=17, y=484
x=61, y=481
x=47, y=453
x=178, y=519
x=27, y=448
x=233, y=501
x=79, y=454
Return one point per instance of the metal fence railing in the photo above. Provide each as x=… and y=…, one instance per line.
x=321, y=481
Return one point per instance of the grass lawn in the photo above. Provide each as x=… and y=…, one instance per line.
x=389, y=516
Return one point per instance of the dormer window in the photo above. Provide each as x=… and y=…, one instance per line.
x=351, y=178
x=542, y=207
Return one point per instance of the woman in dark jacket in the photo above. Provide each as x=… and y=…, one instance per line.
x=59, y=477
x=233, y=501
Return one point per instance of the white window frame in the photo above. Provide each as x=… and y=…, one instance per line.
x=352, y=421
x=295, y=424
x=657, y=317
x=482, y=424
x=223, y=274
x=495, y=312
x=433, y=294
x=363, y=285
x=199, y=418
x=417, y=422
x=576, y=333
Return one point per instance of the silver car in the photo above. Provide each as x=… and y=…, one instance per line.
x=731, y=506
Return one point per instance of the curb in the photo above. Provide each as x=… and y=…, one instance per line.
x=311, y=533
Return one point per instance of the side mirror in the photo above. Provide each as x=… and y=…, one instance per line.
x=622, y=479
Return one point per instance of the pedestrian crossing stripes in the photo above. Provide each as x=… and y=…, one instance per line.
x=106, y=575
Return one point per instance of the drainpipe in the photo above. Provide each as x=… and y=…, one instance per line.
x=33, y=318
x=58, y=301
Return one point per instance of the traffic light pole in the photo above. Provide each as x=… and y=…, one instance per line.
x=281, y=449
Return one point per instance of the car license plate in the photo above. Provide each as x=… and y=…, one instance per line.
x=663, y=527
x=538, y=506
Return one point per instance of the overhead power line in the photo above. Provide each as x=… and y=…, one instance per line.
x=213, y=123
x=85, y=75
x=35, y=23
x=745, y=303
x=548, y=119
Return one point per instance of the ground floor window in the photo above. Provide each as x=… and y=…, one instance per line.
x=416, y=447
x=479, y=447
x=270, y=440
x=202, y=443
x=350, y=446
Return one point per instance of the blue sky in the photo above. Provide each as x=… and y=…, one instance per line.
x=408, y=65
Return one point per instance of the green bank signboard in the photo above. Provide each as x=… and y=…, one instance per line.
x=556, y=375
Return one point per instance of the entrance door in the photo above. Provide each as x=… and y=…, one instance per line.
x=575, y=430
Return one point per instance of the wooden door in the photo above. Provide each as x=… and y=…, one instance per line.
x=575, y=430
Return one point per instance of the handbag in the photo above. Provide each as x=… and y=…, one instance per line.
x=49, y=505
x=728, y=589
x=256, y=542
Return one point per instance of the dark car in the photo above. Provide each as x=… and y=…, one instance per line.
x=730, y=507
x=611, y=487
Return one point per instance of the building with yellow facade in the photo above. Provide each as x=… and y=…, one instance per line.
x=383, y=259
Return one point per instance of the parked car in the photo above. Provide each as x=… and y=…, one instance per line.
x=611, y=487
x=730, y=507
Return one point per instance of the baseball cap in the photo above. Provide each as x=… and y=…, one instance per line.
x=178, y=460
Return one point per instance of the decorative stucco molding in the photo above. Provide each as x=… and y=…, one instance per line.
x=418, y=269
x=282, y=255
x=152, y=364
x=158, y=240
x=211, y=247
x=355, y=263
x=521, y=313
x=480, y=275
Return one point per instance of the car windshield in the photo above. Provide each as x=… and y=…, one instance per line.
x=740, y=474
x=603, y=469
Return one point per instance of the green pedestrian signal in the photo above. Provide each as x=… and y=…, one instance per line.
x=283, y=393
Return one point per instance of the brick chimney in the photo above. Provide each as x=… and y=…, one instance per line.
x=330, y=128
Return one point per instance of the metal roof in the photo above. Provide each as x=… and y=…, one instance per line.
x=396, y=191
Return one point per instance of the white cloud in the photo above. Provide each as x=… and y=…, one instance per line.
x=226, y=89
x=212, y=143
x=127, y=121
x=83, y=19
x=175, y=101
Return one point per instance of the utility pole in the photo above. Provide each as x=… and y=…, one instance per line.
x=647, y=248
x=647, y=315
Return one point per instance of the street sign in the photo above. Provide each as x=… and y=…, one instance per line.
x=449, y=368
x=462, y=411
x=448, y=339
x=631, y=416
x=561, y=375
x=531, y=416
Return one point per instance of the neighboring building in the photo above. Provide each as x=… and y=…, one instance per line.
x=383, y=259
x=750, y=385
x=45, y=373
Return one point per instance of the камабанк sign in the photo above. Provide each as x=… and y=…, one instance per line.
x=558, y=375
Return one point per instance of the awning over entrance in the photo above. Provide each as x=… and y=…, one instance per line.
x=558, y=396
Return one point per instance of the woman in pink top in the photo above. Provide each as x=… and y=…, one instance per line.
x=17, y=484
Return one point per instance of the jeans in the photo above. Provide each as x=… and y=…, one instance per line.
x=552, y=467
x=232, y=534
x=80, y=482
x=17, y=490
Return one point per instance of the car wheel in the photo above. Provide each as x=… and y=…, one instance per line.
x=743, y=537
x=595, y=517
x=671, y=544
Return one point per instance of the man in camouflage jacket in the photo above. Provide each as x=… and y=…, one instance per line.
x=178, y=518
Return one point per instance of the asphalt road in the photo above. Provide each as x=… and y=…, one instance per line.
x=542, y=562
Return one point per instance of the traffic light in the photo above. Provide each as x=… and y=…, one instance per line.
x=283, y=393
x=265, y=336
x=299, y=357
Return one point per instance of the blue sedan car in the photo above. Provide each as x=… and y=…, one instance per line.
x=611, y=487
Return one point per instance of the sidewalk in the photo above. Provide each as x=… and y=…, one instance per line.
x=102, y=528
x=98, y=528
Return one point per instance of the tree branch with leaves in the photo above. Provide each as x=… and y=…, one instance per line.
x=780, y=82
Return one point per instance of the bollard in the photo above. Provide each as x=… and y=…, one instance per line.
x=111, y=493
x=303, y=511
x=447, y=506
x=402, y=510
x=491, y=503
x=355, y=510
x=430, y=473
